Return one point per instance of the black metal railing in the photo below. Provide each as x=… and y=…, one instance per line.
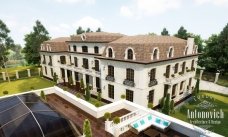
x=129, y=83
x=110, y=78
x=153, y=83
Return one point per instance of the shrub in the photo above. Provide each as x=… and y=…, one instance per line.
x=42, y=95
x=116, y=120
x=78, y=95
x=82, y=86
x=172, y=106
x=87, y=132
x=183, y=109
x=150, y=105
x=123, y=96
x=162, y=102
x=107, y=115
x=166, y=108
x=55, y=77
x=5, y=92
x=70, y=80
x=98, y=104
x=32, y=88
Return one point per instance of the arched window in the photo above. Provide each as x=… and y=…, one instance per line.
x=130, y=74
x=62, y=59
x=84, y=49
x=170, y=53
x=186, y=51
x=110, y=53
x=155, y=54
x=96, y=49
x=176, y=68
x=129, y=54
x=152, y=74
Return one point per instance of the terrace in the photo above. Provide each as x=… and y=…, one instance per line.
x=77, y=110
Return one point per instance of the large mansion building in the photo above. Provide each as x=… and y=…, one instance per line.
x=144, y=68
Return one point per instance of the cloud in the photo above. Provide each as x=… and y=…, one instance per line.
x=149, y=7
x=75, y=1
x=88, y=22
x=215, y=2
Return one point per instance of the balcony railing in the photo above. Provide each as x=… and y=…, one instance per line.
x=110, y=78
x=153, y=83
x=129, y=83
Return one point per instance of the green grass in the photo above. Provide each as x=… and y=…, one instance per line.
x=220, y=101
x=23, y=85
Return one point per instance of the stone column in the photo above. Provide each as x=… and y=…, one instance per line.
x=66, y=77
x=29, y=74
x=39, y=71
x=73, y=77
x=17, y=75
x=4, y=76
x=216, y=77
x=201, y=73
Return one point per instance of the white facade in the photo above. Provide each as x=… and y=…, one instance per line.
x=141, y=73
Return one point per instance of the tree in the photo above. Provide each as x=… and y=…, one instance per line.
x=98, y=30
x=123, y=96
x=6, y=43
x=166, y=107
x=116, y=120
x=182, y=33
x=107, y=115
x=88, y=30
x=80, y=30
x=33, y=40
x=99, y=96
x=165, y=32
x=82, y=85
x=42, y=95
x=162, y=102
x=55, y=77
x=197, y=86
x=88, y=94
x=150, y=105
x=172, y=106
x=152, y=34
x=87, y=132
x=16, y=53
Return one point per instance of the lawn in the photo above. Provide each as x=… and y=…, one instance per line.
x=220, y=102
x=26, y=84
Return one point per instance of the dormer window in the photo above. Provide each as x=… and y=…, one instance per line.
x=84, y=49
x=155, y=54
x=186, y=51
x=69, y=48
x=170, y=53
x=75, y=48
x=129, y=54
x=110, y=53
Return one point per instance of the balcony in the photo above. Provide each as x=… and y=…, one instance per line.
x=153, y=83
x=129, y=83
x=110, y=78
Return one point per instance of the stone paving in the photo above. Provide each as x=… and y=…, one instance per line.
x=205, y=85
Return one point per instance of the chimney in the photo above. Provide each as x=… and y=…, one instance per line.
x=190, y=44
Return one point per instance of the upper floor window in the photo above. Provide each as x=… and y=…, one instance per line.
x=129, y=54
x=62, y=59
x=111, y=71
x=75, y=48
x=130, y=74
x=96, y=65
x=152, y=74
x=183, y=67
x=44, y=59
x=193, y=64
x=50, y=60
x=110, y=53
x=155, y=54
x=69, y=48
x=84, y=49
x=176, y=68
x=170, y=52
x=96, y=49
x=186, y=51
x=85, y=63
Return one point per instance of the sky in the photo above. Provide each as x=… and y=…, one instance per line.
x=130, y=17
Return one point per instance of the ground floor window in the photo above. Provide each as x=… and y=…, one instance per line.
x=52, y=72
x=129, y=95
x=76, y=76
x=174, y=91
x=151, y=96
x=97, y=82
x=87, y=79
x=110, y=91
